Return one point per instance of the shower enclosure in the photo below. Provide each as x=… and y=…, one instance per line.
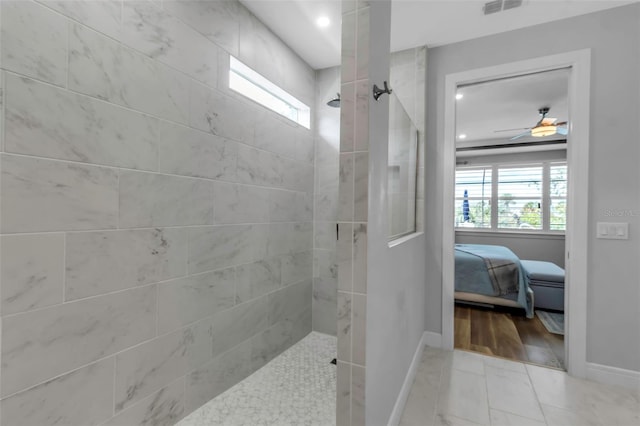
x=162, y=236
x=157, y=227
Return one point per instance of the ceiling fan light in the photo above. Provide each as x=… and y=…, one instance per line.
x=542, y=131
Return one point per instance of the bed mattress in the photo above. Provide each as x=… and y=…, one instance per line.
x=491, y=272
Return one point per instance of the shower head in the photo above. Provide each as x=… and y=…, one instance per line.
x=335, y=102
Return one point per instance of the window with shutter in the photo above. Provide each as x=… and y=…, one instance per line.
x=526, y=197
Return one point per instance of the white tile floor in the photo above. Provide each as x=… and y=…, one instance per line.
x=464, y=389
x=450, y=389
x=296, y=388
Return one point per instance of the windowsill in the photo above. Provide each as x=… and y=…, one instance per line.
x=402, y=240
x=512, y=233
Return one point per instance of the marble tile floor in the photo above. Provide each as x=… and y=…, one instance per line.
x=468, y=389
x=297, y=388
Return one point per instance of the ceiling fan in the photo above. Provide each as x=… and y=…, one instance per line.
x=546, y=126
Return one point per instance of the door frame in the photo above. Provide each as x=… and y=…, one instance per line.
x=577, y=232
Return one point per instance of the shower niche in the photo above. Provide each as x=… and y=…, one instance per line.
x=402, y=171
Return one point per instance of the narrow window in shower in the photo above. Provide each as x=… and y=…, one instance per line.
x=249, y=83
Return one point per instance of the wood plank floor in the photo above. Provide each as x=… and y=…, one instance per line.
x=507, y=333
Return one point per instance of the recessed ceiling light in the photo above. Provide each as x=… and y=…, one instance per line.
x=323, y=22
x=459, y=96
x=462, y=136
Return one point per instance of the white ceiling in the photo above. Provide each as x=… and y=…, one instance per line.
x=506, y=104
x=511, y=103
x=413, y=22
x=294, y=21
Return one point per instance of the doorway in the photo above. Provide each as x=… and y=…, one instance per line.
x=510, y=206
x=578, y=62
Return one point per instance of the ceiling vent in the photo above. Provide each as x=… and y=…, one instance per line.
x=510, y=4
x=500, y=5
x=492, y=7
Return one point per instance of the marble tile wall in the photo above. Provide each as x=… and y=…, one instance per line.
x=407, y=78
x=352, y=214
x=327, y=162
x=157, y=238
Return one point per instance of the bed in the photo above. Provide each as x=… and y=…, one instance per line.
x=492, y=275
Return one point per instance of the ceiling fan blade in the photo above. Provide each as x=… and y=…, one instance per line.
x=562, y=123
x=520, y=136
x=547, y=121
x=512, y=130
x=562, y=131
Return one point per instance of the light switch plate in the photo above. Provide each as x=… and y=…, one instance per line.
x=612, y=230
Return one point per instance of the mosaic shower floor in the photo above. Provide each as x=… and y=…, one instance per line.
x=296, y=388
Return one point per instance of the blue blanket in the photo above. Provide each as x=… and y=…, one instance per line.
x=492, y=271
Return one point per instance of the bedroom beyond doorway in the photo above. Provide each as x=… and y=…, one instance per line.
x=510, y=215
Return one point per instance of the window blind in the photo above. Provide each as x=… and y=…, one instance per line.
x=528, y=197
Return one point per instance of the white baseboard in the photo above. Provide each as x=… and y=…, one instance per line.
x=398, y=408
x=431, y=339
x=613, y=375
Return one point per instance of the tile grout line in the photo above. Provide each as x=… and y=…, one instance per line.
x=535, y=392
x=165, y=174
x=115, y=375
x=3, y=107
x=146, y=228
x=157, y=293
x=485, y=379
x=60, y=375
x=68, y=29
x=352, y=186
x=119, y=207
x=439, y=389
x=64, y=271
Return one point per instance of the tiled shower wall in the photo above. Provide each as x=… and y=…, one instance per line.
x=156, y=228
x=353, y=211
x=327, y=160
x=358, y=142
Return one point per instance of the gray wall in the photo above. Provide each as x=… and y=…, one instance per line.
x=157, y=228
x=549, y=248
x=613, y=311
x=327, y=161
x=395, y=307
